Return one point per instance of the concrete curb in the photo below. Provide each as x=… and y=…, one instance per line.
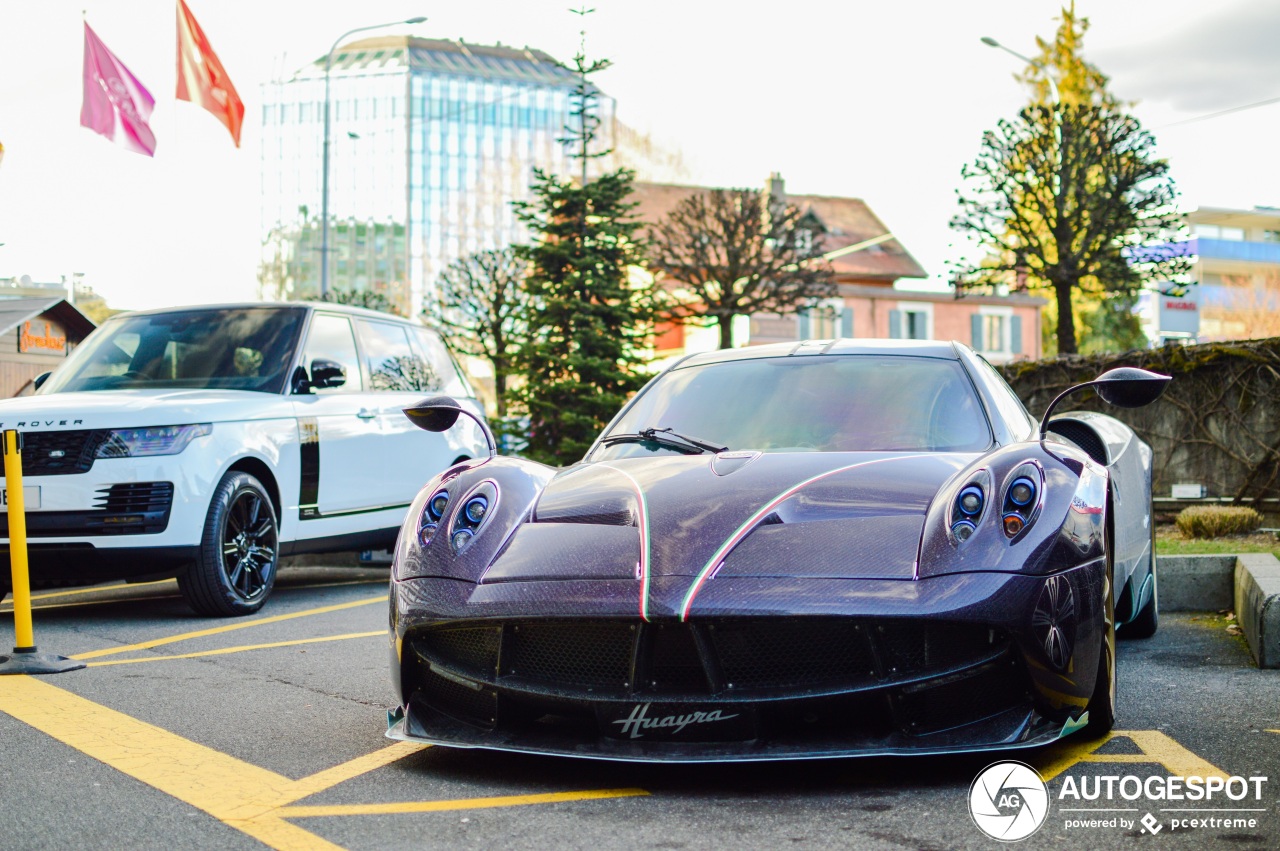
x=1257, y=599
x=1249, y=583
x=1196, y=583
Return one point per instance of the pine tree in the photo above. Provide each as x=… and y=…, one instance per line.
x=583, y=357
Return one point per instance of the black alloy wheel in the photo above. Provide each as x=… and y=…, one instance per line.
x=239, y=551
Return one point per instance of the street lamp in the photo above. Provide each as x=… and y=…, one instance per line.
x=991, y=42
x=324, y=168
x=1053, y=88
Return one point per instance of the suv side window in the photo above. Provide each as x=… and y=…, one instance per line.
x=427, y=344
x=393, y=364
x=330, y=338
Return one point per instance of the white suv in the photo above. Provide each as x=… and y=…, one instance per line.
x=207, y=442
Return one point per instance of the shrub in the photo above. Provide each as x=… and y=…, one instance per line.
x=1213, y=521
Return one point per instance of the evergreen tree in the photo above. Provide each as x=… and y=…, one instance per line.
x=583, y=356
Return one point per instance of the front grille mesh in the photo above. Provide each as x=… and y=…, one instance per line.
x=681, y=660
x=589, y=654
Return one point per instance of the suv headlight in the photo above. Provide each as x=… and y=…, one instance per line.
x=151, y=440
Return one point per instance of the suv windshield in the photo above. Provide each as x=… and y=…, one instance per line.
x=825, y=403
x=234, y=349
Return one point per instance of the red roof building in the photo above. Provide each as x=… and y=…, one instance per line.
x=871, y=270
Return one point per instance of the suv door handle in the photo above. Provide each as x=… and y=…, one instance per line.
x=366, y=414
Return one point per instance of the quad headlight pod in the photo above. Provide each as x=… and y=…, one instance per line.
x=1023, y=496
x=432, y=514
x=968, y=508
x=477, y=507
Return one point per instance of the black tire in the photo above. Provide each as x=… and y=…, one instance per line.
x=239, y=551
x=1147, y=621
x=1102, y=703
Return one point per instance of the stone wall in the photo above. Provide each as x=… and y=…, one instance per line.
x=1218, y=424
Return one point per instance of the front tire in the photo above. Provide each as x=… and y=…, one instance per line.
x=1102, y=703
x=1147, y=621
x=239, y=551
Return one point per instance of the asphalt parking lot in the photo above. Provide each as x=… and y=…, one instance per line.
x=224, y=734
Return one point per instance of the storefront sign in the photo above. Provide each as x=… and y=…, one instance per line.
x=51, y=342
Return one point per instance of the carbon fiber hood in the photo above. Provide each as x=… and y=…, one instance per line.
x=830, y=515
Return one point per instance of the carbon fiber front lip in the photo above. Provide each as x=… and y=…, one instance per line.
x=1011, y=730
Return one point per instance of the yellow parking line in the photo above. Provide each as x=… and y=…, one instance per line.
x=1156, y=748
x=460, y=804
x=224, y=650
x=93, y=588
x=244, y=796
x=60, y=606
x=145, y=645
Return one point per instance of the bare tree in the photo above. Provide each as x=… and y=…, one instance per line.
x=482, y=310
x=735, y=252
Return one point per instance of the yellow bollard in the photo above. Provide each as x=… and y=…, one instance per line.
x=24, y=636
x=26, y=659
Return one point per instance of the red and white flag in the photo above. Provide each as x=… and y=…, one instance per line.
x=201, y=77
x=115, y=104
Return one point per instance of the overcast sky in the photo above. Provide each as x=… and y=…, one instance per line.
x=883, y=101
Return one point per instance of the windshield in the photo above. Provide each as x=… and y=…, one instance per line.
x=234, y=349
x=827, y=403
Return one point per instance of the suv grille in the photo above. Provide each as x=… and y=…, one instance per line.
x=60, y=453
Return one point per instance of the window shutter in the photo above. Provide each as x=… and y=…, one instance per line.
x=895, y=324
x=846, y=322
x=976, y=322
x=1015, y=335
x=802, y=324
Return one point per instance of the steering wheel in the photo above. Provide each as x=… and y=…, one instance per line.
x=134, y=374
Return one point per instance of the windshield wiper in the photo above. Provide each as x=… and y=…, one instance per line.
x=665, y=437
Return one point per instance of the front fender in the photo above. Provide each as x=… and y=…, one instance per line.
x=1068, y=530
x=518, y=484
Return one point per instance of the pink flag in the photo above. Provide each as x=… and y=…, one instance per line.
x=115, y=104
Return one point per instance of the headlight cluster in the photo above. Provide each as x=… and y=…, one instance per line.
x=432, y=515
x=476, y=508
x=969, y=505
x=468, y=521
x=152, y=440
x=1019, y=507
x=1022, y=499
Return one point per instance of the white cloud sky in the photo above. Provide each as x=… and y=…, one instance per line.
x=874, y=100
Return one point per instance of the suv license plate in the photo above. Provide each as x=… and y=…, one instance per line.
x=31, y=497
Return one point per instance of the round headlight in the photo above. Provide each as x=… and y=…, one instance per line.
x=425, y=533
x=971, y=501
x=476, y=508
x=1022, y=492
x=438, y=504
x=963, y=530
x=461, y=538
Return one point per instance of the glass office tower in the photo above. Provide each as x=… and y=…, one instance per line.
x=430, y=142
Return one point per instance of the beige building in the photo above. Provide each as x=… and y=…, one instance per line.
x=1237, y=269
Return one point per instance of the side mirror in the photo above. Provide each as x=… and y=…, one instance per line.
x=327, y=373
x=40, y=380
x=1124, y=387
x=439, y=413
x=1130, y=387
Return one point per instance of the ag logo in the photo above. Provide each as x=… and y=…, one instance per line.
x=1008, y=801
